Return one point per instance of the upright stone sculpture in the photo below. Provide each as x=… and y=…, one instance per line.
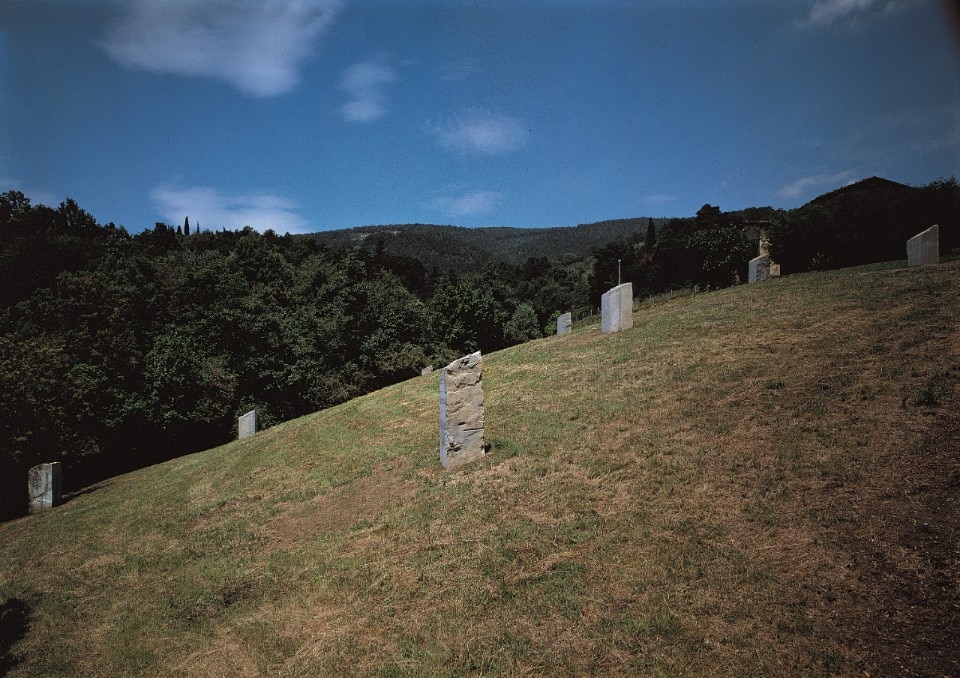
x=924, y=248
x=564, y=323
x=461, y=411
x=247, y=425
x=43, y=486
x=616, y=309
x=759, y=269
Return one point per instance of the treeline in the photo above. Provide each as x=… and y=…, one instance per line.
x=120, y=350
x=862, y=223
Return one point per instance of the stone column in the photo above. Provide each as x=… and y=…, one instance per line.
x=247, y=425
x=43, y=486
x=564, y=323
x=616, y=309
x=924, y=248
x=461, y=411
x=759, y=269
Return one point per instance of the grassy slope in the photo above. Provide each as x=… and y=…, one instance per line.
x=709, y=492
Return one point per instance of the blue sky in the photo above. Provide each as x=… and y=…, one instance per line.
x=307, y=115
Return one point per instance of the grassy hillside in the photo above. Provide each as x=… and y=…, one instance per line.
x=446, y=246
x=757, y=481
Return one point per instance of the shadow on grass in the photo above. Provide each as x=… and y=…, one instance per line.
x=14, y=624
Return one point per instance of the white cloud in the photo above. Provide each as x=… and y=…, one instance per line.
x=828, y=12
x=470, y=204
x=364, y=82
x=801, y=186
x=255, y=45
x=481, y=132
x=213, y=210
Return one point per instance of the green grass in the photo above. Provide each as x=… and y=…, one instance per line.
x=670, y=500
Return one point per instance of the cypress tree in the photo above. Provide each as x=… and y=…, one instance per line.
x=651, y=235
x=186, y=225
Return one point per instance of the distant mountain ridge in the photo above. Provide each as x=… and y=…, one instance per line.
x=433, y=243
x=875, y=209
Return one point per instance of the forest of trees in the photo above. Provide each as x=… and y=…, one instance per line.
x=120, y=350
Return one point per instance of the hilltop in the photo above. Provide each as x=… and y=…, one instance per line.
x=759, y=480
x=433, y=245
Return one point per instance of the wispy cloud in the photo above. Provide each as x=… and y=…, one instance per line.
x=469, y=204
x=829, y=12
x=256, y=46
x=364, y=82
x=802, y=186
x=214, y=210
x=481, y=132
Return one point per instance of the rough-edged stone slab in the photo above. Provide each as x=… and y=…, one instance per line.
x=616, y=309
x=461, y=411
x=759, y=269
x=247, y=425
x=43, y=486
x=564, y=323
x=924, y=248
x=426, y=370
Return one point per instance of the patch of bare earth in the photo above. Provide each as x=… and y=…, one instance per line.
x=904, y=555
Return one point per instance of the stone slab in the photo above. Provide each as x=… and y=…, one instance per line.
x=461, y=411
x=564, y=323
x=759, y=269
x=426, y=370
x=616, y=309
x=43, y=486
x=247, y=425
x=924, y=248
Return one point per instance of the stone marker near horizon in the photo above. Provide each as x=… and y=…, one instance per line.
x=43, y=486
x=759, y=269
x=924, y=248
x=461, y=411
x=564, y=323
x=426, y=370
x=247, y=425
x=616, y=309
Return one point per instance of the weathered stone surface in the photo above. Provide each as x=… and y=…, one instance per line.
x=461, y=411
x=759, y=269
x=616, y=309
x=564, y=323
x=43, y=486
x=426, y=370
x=247, y=424
x=924, y=248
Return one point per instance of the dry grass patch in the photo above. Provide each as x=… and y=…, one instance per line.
x=755, y=481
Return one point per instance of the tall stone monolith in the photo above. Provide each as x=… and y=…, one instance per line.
x=924, y=248
x=616, y=309
x=43, y=486
x=564, y=323
x=759, y=269
x=247, y=425
x=461, y=411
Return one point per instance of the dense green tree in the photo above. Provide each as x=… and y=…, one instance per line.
x=522, y=325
